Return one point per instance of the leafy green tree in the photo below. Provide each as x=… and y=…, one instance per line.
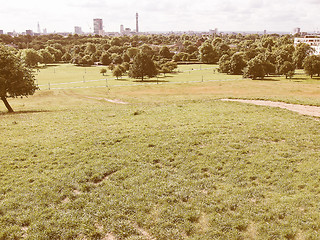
x=90, y=48
x=132, y=52
x=237, y=64
x=116, y=59
x=87, y=60
x=176, y=58
x=208, y=54
x=117, y=72
x=146, y=49
x=47, y=57
x=66, y=57
x=142, y=67
x=125, y=57
x=165, y=52
x=16, y=80
x=111, y=66
x=105, y=59
x=224, y=64
x=287, y=69
x=254, y=69
x=56, y=52
x=311, y=65
x=126, y=66
x=31, y=57
x=301, y=52
x=103, y=71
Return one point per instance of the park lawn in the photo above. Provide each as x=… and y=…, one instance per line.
x=66, y=76
x=174, y=163
x=182, y=169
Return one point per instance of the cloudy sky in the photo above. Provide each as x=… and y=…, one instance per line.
x=161, y=15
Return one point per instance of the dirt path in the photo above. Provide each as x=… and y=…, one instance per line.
x=302, y=109
x=109, y=100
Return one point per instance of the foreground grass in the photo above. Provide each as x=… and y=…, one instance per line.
x=165, y=167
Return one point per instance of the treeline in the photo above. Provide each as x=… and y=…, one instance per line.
x=252, y=55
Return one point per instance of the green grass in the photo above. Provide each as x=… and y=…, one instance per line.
x=175, y=163
x=65, y=76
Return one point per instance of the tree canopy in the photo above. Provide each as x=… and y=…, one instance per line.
x=16, y=80
x=142, y=67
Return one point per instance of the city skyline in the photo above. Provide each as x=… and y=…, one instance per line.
x=165, y=15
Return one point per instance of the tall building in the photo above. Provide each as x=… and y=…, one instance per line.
x=296, y=31
x=78, y=30
x=121, y=28
x=1, y=31
x=97, y=26
x=137, y=22
x=39, y=30
x=29, y=32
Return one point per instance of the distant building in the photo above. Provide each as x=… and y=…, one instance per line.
x=137, y=22
x=1, y=31
x=97, y=26
x=121, y=29
x=78, y=30
x=39, y=30
x=29, y=32
x=296, y=31
x=45, y=31
x=312, y=40
x=264, y=32
x=213, y=31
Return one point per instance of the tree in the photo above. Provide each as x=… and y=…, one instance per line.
x=66, y=57
x=47, y=57
x=254, y=69
x=237, y=64
x=142, y=67
x=86, y=60
x=132, y=52
x=287, y=69
x=165, y=52
x=15, y=78
x=31, y=57
x=117, y=72
x=105, y=59
x=56, y=52
x=301, y=52
x=103, y=71
x=224, y=64
x=311, y=65
x=207, y=53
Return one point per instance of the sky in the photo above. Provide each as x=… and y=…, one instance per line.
x=161, y=15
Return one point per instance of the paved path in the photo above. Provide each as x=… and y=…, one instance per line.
x=302, y=109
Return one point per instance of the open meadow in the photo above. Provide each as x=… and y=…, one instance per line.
x=164, y=160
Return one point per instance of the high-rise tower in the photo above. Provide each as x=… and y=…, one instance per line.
x=39, y=30
x=97, y=26
x=137, y=22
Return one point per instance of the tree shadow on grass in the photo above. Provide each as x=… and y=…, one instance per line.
x=23, y=112
x=47, y=66
x=122, y=80
x=151, y=81
x=267, y=79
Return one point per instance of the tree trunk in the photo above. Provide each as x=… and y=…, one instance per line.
x=4, y=99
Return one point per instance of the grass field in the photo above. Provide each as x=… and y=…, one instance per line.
x=174, y=163
x=69, y=76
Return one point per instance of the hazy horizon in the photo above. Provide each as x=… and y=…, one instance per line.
x=161, y=16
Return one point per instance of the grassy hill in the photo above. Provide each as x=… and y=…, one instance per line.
x=173, y=163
